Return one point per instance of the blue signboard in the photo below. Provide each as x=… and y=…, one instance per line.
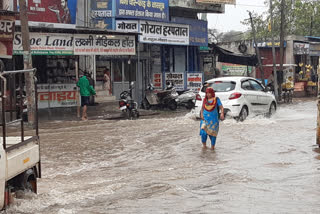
x=198, y=30
x=101, y=13
x=157, y=10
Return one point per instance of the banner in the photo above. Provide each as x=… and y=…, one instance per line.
x=177, y=79
x=216, y=1
x=198, y=30
x=7, y=23
x=52, y=11
x=56, y=95
x=164, y=33
x=157, y=80
x=194, y=81
x=101, y=13
x=235, y=70
x=157, y=10
x=76, y=44
x=127, y=26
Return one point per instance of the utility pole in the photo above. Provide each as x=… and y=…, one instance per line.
x=257, y=49
x=282, y=35
x=275, y=76
x=318, y=119
x=29, y=76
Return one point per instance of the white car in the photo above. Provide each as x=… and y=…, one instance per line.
x=240, y=96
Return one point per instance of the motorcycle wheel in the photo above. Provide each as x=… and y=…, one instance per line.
x=146, y=104
x=172, y=105
x=190, y=105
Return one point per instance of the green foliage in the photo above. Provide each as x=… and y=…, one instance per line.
x=302, y=17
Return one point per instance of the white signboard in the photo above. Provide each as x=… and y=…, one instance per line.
x=177, y=79
x=194, y=81
x=301, y=48
x=216, y=1
x=77, y=44
x=86, y=44
x=45, y=44
x=56, y=95
x=127, y=26
x=164, y=33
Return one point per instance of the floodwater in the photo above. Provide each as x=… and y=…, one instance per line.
x=157, y=165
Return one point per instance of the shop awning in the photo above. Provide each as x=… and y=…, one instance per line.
x=234, y=58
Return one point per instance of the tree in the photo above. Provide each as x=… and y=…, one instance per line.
x=302, y=18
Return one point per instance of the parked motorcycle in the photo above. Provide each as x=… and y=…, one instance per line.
x=186, y=98
x=163, y=99
x=127, y=104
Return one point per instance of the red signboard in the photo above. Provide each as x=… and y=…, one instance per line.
x=6, y=35
x=52, y=11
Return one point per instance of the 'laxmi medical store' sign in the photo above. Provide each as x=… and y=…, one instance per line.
x=76, y=44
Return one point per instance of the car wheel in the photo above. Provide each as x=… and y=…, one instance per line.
x=272, y=110
x=243, y=114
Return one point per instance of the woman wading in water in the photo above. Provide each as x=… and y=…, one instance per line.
x=209, y=125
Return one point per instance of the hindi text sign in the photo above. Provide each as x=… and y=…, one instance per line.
x=164, y=33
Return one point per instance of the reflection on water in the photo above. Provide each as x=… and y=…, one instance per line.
x=158, y=166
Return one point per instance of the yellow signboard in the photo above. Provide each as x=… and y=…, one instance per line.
x=217, y=1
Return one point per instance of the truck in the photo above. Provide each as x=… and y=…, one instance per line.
x=20, y=163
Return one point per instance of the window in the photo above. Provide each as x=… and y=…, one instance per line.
x=220, y=86
x=256, y=86
x=246, y=85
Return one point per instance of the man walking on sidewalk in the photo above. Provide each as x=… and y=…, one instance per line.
x=86, y=90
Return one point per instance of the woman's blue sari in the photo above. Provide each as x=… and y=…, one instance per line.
x=210, y=124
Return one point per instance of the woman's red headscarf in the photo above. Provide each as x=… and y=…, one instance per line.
x=207, y=105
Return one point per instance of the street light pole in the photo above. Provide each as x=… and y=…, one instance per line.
x=318, y=119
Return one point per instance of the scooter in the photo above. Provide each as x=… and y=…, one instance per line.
x=186, y=98
x=127, y=104
x=166, y=98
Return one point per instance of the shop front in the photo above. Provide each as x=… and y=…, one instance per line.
x=57, y=56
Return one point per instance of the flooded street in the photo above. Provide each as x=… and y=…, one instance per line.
x=157, y=165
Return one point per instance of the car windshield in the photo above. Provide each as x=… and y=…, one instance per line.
x=220, y=86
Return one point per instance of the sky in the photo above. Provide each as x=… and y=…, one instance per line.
x=234, y=14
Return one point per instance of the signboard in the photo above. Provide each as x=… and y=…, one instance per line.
x=194, y=81
x=76, y=44
x=177, y=79
x=52, y=11
x=56, y=95
x=198, y=30
x=101, y=13
x=131, y=26
x=301, y=48
x=7, y=23
x=45, y=44
x=234, y=69
x=164, y=33
x=157, y=80
x=269, y=44
x=157, y=10
x=216, y=1
x=87, y=44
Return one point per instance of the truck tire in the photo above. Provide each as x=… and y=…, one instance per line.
x=29, y=181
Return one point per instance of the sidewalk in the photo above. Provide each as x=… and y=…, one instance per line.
x=108, y=110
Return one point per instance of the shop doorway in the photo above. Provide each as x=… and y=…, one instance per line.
x=122, y=73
